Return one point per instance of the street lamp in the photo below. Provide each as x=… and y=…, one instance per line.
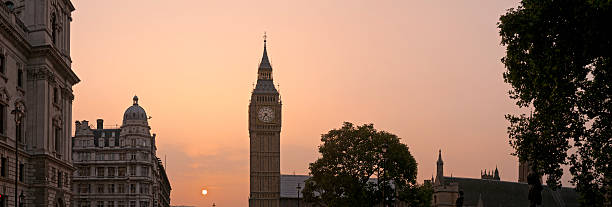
x=19, y=114
x=21, y=199
x=384, y=151
x=298, y=194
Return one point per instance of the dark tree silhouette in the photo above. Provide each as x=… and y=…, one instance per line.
x=558, y=55
x=351, y=156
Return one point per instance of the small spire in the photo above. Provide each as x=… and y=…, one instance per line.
x=135, y=100
x=440, y=156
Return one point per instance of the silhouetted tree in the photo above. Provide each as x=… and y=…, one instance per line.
x=351, y=156
x=558, y=55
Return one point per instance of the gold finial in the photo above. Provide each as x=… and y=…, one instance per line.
x=265, y=36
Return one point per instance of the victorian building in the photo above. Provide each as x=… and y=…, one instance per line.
x=118, y=167
x=36, y=97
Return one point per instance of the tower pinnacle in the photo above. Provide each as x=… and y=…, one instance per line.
x=265, y=62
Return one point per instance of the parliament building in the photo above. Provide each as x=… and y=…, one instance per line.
x=490, y=190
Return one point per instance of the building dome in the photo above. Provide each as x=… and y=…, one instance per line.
x=135, y=112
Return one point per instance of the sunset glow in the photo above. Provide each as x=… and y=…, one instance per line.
x=427, y=71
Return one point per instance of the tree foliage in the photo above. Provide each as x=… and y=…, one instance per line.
x=558, y=55
x=351, y=157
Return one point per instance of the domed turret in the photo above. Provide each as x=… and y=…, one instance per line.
x=135, y=113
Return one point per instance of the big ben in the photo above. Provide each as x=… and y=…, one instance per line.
x=264, y=133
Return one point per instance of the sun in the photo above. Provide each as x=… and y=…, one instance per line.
x=204, y=192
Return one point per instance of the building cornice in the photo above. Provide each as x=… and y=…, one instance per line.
x=63, y=68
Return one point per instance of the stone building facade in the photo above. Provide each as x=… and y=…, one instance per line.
x=118, y=167
x=264, y=132
x=36, y=78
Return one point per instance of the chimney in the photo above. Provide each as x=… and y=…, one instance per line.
x=100, y=123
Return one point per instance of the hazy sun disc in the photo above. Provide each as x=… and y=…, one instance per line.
x=204, y=192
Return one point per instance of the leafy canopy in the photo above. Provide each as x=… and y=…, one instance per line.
x=351, y=157
x=558, y=55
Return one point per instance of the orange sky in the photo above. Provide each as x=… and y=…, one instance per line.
x=428, y=71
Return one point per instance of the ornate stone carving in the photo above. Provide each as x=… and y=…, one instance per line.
x=40, y=73
x=4, y=96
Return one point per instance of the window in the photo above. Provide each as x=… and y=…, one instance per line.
x=132, y=188
x=144, y=203
x=111, y=188
x=2, y=119
x=121, y=204
x=110, y=203
x=122, y=156
x=2, y=64
x=100, y=204
x=144, y=188
x=21, y=169
x=20, y=78
x=100, y=172
x=133, y=171
x=121, y=172
x=84, y=171
x=132, y=203
x=83, y=188
x=55, y=96
x=111, y=172
x=133, y=156
x=121, y=188
x=144, y=171
x=58, y=138
x=3, y=167
x=53, y=28
x=59, y=179
x=101, y=188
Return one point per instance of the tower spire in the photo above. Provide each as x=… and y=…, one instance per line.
x=265, y=62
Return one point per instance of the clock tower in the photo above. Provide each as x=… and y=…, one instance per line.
x=264, y=133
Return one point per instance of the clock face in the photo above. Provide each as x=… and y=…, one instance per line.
x=265, y=114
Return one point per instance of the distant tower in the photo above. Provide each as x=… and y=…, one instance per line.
x=264, y=132
x=440, y=170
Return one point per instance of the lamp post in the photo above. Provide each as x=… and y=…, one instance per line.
x=298, y=194
x=21, y=199
x=19, y=114
x=384, y=151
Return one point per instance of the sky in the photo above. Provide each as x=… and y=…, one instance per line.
x=427, y=71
